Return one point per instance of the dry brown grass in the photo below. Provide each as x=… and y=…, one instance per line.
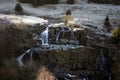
x=12, y=39
x=9, y=70
x=45, y=74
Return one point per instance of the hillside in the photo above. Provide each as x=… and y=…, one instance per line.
x=36, y=44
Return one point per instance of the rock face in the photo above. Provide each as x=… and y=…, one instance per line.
x=87, y=60
x=63, y=35
x=83, y=61
x=89, y=35
x=62, y=51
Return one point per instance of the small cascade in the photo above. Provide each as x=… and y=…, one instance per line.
x=104, y=67
x=68, y=76
x=58, y=36
x=63, y=33
x=19, y=59
x=44, y=37
x=101, y=62
x=31, y=54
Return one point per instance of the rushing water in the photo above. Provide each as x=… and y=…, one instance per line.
x=101, y=62
x=58, y=36
x=103, y=66
x=44, y=37
x=45, y=41
x=19, y=59
x=62, y=30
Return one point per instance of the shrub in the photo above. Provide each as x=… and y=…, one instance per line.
x=44, y=74
x=18, y=8
x=9, y=70
x=116, y=35
x=107, y=24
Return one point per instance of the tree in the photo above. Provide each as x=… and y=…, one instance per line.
x=18, y=9
x=116, y=35
x=107, y=23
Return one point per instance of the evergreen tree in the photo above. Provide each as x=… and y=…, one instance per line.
x=107, y=24
x=18, y=8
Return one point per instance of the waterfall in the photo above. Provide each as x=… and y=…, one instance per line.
x=101, y=62
x=44, y=37
x=19, y=59
x=58, y=36
x=31, y=54
x=63, y=32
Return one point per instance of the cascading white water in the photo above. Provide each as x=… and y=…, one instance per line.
x=31, y=54
x=63, y=31
x=58, y=36
x=19, y=59
x=44, y=37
